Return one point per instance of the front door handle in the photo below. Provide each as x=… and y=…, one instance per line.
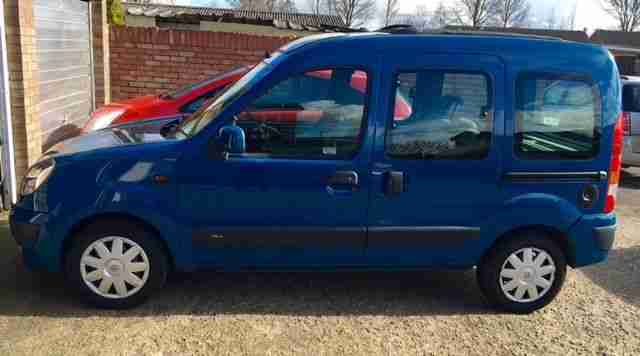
x=344, y=179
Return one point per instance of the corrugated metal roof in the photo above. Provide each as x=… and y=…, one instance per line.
x=295, y=21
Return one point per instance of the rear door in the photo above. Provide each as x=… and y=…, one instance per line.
x=436, y=173
x=556, y=143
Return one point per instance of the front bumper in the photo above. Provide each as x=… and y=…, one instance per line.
x=28, y=230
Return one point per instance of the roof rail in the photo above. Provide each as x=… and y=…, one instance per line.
x=398, y=29
x=491, y=33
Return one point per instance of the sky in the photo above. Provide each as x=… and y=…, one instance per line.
x=589, y=13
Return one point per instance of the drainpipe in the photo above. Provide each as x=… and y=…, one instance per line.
x=8, y=154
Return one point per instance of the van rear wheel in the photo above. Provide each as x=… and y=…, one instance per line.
x=116, y=264
x=523, y=274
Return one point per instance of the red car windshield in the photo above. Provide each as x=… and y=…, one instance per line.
x=184, y=90
x=196, y=122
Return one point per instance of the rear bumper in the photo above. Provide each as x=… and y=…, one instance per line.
x=605, y=236
x=591, y=239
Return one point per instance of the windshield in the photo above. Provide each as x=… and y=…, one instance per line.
x=199, y=120
x=184, y=90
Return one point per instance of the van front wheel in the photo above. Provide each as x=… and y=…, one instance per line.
x=523, y=274
x=116, y=264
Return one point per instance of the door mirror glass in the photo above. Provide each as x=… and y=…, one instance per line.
x=231, y=139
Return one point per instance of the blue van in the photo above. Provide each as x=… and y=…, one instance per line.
x=349, y=152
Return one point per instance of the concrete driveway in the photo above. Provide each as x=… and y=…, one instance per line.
x=436, y=313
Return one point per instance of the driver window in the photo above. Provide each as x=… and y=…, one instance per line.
x=318, y=114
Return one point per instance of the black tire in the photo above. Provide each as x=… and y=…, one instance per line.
x=488, y=272
x=157, y=260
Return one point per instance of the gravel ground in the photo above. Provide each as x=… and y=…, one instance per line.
x=438, y=313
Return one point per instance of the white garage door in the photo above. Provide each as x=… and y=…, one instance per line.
x=65, y=68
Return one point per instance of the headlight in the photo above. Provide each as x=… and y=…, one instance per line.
x=36, y=176
x=101, y=119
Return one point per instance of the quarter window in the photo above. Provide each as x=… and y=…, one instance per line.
x=318, y=114
x=557, y=117
x=450, y=116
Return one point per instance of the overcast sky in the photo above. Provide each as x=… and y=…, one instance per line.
x=589, y=13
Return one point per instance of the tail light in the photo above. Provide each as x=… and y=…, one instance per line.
x=616, y=167
x=626, y=123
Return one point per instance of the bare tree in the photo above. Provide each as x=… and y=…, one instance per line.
x=390, y=11
x=556, y=21
x=266, y=5
x=478, y=13
x=420, y=19
x=247, y=4
x=285, y=6
x=571, y=20
x=317, y=7
x=354, y=13
x=513, y=13
x=444, y=16
x=626, y=12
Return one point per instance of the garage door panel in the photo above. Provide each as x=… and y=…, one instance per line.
x=73, y=115
x=63, y=72
x=58, y=33
x=62, y=102
x=56, y=14
x=75, y=6
x=56, y=62
x=52, y=90
x=45, y=44
x=64, y=64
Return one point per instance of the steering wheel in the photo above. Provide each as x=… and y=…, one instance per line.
x=265, y=132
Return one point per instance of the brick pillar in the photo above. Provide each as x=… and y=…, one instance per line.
x=23, y=82
x=100, y=34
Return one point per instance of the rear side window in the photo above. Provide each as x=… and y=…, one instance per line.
x=557, y=117
x=449, y=116
x=631, y=98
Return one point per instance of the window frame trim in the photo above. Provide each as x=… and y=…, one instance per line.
x=364, y=125
x=491, y=90
x=556, y=76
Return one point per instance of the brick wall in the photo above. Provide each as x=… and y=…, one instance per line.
x=151, y=61
x=23, y=82
x=100, y=42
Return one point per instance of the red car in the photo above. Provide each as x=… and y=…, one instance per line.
x=185, y=100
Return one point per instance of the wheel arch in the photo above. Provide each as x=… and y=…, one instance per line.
x=112, y=216
x=551, y=233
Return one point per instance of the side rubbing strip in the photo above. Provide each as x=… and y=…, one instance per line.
x=555, y=176
x=281, y=237
x=422, y=236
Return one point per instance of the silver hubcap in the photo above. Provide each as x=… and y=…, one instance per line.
x=527, y=275
x=114, y=267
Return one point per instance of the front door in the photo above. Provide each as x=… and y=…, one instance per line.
x=435, y=173
x=298, y=195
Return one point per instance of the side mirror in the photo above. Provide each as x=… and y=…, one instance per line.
x=231, y=139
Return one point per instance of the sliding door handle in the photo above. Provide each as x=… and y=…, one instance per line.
x=394, y=183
